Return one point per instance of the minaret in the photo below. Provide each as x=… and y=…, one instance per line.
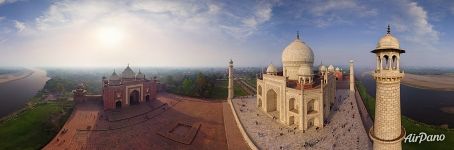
x=352, y=77
x=387, y=132
x=230, y=80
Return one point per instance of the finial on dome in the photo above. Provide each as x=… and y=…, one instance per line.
x=389, y=30
x=297, y=34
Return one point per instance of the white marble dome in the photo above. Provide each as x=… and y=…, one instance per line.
x=140, y=75
x=305, y=70
x=337, y=69
x=298, y=52
x=330, y=68
x=388, y=42
x=271, y=69
x=128, y=73
x=114, y=77
x=322, y=68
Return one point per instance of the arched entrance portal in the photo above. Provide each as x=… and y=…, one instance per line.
x=271, y=100
x=147, y=98
x=134, y=97
x=260, y=102
x=118, y=104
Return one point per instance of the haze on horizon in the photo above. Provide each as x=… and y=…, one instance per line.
x=162, y=33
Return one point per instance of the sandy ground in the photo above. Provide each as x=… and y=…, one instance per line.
x=345, y=130
x=15, y=76
x=140, y=131
x=434, y=82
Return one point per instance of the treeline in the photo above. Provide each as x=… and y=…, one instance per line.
x=63, y=81
x=197, y=85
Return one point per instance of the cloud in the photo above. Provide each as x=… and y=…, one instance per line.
x=414, y=22
x=245, y=24
x=452, y=9
x=20, y=26
x=321, y=8
x=326, y=13
x=7, y=1
x=68, y=32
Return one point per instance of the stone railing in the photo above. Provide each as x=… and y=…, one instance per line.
x=245, y=135
x=365, y=117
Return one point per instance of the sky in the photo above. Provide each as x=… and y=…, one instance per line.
x=207, y=33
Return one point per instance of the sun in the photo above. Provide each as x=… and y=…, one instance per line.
x=110, y=37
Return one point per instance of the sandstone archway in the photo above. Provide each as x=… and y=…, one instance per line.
x=291, y=120
x=259, y=103
x=311, y=106
x=271, y=100
x=134, y=97
x=259, y=90
x=118, y=104
x=292, y=105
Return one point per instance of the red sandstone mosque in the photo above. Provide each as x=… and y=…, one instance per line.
x=128, y=89
x=121, y=91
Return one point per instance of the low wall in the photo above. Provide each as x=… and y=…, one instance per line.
x=248, y=140
x=365, y=117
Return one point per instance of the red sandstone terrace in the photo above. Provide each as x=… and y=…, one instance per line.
x=169, y=122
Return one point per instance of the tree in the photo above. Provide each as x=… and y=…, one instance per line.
x=169, y=80
x=201, y=85
x=187, y=86
x=60, y=88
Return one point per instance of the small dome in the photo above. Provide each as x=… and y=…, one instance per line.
x=331, y=68
x=128, y=73
x=114, y=76
x=298, y=51
x=337, y=69
x=140, y=75
x=80, y=86
x=271, y=69
x=304, y=70
x=322, y=68
x=388, y=41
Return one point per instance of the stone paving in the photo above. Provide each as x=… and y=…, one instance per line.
x=345, y=130
x=90, y=128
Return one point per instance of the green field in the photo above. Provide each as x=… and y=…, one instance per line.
x=413, y=127
x=35, y=126
x=221, y=91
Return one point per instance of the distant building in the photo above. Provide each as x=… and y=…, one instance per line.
x=128, y=89
x=296, y=96
x=120, y=91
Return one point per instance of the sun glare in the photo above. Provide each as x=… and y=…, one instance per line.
x=110, y=37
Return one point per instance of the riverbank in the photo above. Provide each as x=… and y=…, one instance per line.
x=4, y=78
x=413, y=127
x=34, y=126
x=443, y=82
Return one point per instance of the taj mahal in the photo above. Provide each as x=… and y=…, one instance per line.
x=298, y=96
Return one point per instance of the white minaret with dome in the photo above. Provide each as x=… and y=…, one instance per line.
x=387, y=132
x=231, y=78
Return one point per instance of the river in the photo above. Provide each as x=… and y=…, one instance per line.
x=420, y=104
x=15, y=94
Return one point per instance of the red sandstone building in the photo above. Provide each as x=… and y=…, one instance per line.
x=128, y=89
x=121, y=91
